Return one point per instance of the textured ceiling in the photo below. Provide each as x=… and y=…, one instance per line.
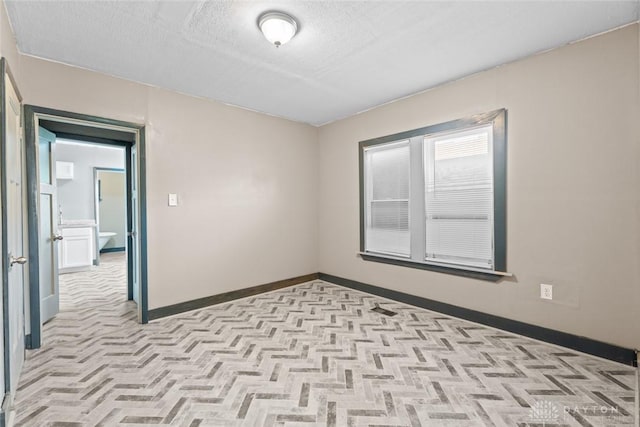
x=348, y=56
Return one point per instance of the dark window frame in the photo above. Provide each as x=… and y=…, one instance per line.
x=498, y=120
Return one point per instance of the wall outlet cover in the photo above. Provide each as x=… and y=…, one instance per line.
x=546, y=291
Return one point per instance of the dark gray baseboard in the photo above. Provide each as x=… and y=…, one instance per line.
x=107, y=250
x=170, y=310
x=575, y=342
x=27, y=342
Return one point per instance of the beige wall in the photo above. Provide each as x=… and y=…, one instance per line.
x=573, y=188
x=264, y=199
x=112, y=211
x=246, y=182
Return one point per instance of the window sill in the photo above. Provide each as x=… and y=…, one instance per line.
x=491, y=276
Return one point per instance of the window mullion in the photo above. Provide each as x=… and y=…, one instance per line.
x=416, y=210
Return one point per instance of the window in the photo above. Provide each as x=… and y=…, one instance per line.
x=388, y=199
x=434, y=198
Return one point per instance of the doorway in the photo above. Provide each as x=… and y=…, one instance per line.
x=110, y=201
x=90, y=194
x=43, y=217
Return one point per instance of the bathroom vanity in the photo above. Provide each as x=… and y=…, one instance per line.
x=77, y=249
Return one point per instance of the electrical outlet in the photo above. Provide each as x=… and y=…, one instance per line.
x=546, y=291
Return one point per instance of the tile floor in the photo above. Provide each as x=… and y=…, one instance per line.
x=311, y=354
x=92, y=302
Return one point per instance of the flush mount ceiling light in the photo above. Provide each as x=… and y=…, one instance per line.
x=277, y=27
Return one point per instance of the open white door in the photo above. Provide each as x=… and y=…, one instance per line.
x=15, y=235
x=133, y=233
x=49, y=235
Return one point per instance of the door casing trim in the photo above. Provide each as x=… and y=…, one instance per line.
x=32, y=115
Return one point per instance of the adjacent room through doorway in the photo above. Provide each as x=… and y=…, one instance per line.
x=90, y=191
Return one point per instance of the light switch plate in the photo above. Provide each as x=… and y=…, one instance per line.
x=173, y=199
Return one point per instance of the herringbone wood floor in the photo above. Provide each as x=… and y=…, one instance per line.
x=101, y=285
x=312, y=354
x=92, y=302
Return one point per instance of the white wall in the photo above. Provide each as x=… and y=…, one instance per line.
x=76, y=196
x=573, y=216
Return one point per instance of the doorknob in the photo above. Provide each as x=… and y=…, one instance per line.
x=19, y=260
x=57, y=237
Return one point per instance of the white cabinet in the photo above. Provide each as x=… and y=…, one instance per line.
x=77, y=248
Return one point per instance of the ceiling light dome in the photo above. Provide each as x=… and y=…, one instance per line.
x=277, y=27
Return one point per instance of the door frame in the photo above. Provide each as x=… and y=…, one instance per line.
x=32, y=116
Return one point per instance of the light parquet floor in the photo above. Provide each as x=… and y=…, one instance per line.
x=311, y=354
x=101, y=285
x=92, y=302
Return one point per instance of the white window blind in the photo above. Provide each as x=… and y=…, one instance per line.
x=459, y=198
x=387, y=199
